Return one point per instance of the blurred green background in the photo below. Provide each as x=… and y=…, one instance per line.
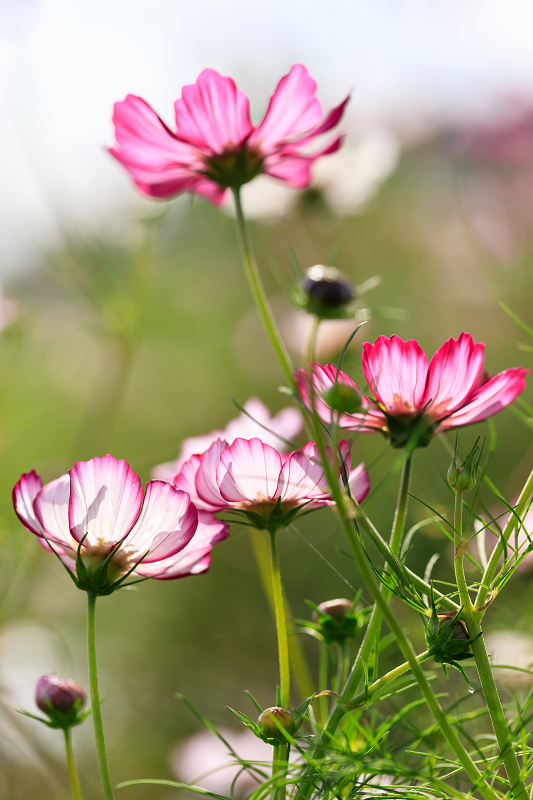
x=129, y=343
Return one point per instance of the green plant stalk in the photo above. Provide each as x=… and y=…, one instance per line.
x=72, y=771
x=374, y=626
x=486, y=676
x=299, y=668
x=323, y=682
x=258, y=292
x=103, y=765
x=371, y=690
x=281, y=625
x=492, y=565
x=403, y=641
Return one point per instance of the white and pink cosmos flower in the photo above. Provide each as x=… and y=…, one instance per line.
x=215, y=145
x=252, y=477
x=98, y=509
x=411, y=399
x=254, y=421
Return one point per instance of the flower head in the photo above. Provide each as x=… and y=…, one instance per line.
x=62, y=700
x=215, y=146
x=255, y=420
x=97, y=522
x=410, y=399
x=252, y=477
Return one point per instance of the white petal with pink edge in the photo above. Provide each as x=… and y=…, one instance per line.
x=489, y=399
x=51, y=508
x=359, y=483
x=195, y=558
x=24, y=493
x=248, y=472
x=453, y=372
x=206, y=480
x=303, y=476
x=105, y=500
x=166, y=524
x=396, y=372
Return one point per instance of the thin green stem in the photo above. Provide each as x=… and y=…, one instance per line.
x=299, y=667
x=103, y=765
x=486, y=676
x=323, y=682
x=258, y=292
x=497, y=553
x=371, y=690
x=281, y=625
x=72, y=771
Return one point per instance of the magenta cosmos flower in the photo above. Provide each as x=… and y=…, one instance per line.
x=250, y=476
x=97, y=521
x=215, y=146
x=411, y=399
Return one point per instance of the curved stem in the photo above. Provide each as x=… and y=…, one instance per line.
x=362, y=697
x=103, y=765
x=486, y=676
x=258, y=292
x=72, y=771
x=281, y=625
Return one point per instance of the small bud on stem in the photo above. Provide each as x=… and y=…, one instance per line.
x=267, y=722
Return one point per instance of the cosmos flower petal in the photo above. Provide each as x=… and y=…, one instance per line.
x=213, y=114
x=51, y=509
x=206, y=481
x=359, y=483
x=453, y=373
x=497, y=393
x=195, y=557
x=396, y=372
x=105, y=500
x=303, y=475
x=166, y=524
x=24, y=493
x=293, y=111
x=248, y=471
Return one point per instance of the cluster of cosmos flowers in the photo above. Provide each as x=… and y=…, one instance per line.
x=98, y=512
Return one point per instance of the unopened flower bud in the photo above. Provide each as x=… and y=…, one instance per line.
x=284, y=717
x=460, y=632
x=463, y=477
x=326, y=291
x=60, y=699
x=343, y=398
x=337, y=609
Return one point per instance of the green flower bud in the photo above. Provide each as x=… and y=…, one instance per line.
x=460, y=632
x=268, y=726
x=336, y=620
x=337, y=609
x=463, y=477
x=343, y=398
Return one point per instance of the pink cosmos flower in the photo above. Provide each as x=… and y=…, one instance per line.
x=252, y=477
x=287, y=424
x=411, y=399
x=215, y=145
x=98, y=509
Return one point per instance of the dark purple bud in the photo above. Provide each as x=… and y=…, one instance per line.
x=337, y=609
x=326, y=290
x=284, y=717
x=53, y=694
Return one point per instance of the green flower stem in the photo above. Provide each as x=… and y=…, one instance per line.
x=72, y=771
x=383, y=604
x=486, y=676
x=323, y=682
x=281, y=625
x=299, y=667
x=370, y=690
x=103, y=765
x=497, y=553
x=374, y=626
x=258, y=292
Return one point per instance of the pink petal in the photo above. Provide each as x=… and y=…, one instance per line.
x=324, y=377
x=359, y=483
x=303, y=476
x=51, y=509
x=105, y=500
x=213, y=114
x=195, y=558
x=453, y=372
x=24, y=494
x=206, y=477
x=396, y=372
x=248, y=471
x=144, y=140
x=293, y=111
x=167, y=523
x=491, y=397
x=294, y=170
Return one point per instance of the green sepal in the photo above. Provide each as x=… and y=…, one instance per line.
x=60, y=720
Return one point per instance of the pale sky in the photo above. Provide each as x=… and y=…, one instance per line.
x=64, y=62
